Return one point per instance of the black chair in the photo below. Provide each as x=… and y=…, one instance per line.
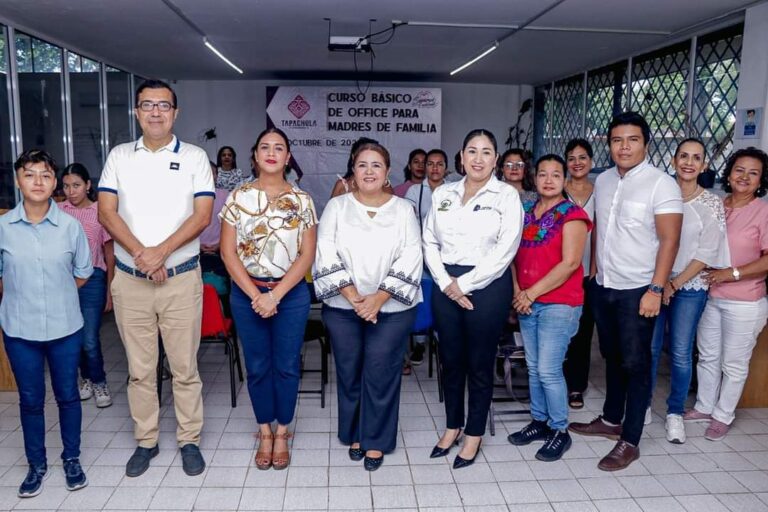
x=315, y=331
x=510, y=361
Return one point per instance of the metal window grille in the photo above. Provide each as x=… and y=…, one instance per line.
x=713, y=116
x=660, y=94
x=605, y=92
x=542, y=132
x=567, y=109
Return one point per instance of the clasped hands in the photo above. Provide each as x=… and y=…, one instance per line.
x=522, y=302
x=453, y=292
x=366, y=306
x=151, y=261
x=264, y=305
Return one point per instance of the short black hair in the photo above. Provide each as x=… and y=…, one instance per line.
x=153, y=83
x=35, y=156
x=438, y=151
x=552, y=157
x=579, y=143
x=634, y=119
x=751, y=152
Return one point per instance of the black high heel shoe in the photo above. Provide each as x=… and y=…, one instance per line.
x=442, y=452
x=460, y=462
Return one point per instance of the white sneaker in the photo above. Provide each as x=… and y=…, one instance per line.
x=675, y=429
x=103, y=398
x=648, y=417
x=86, y=389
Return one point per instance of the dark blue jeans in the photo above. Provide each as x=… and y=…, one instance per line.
x=93, y=297
x=27, y=360
x=682, y=316
x=272, y=352
x=625, y=343
x=369, y=361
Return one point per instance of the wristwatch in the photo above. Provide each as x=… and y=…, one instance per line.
x=736, y=274
x=654, y=288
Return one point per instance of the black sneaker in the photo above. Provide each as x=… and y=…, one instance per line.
x=139, y=461
x=192, y=461
x=33, y=483
x=555, y=446
x=417, y=356
x=534, y=431
x=74, y=474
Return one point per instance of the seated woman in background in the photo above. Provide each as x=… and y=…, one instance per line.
x=95, y=297
x=514, y=171
x=367, y=274
x=548, y=298
x=44, y=259
x=229, y=176
x=210, y=239
x=737, y=307
x=268, y=244
x=703, y=245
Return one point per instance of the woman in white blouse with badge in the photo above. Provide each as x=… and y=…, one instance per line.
x=471, y=236
x=367, y=273
x=268, y=245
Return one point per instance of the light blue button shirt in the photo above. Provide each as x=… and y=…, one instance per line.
x=38, y=266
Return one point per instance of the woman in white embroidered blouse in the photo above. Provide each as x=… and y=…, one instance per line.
x=702, y=244
x=367, y=273
x=268, y=244
x=471, y=236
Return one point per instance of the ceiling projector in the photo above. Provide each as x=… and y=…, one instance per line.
x=348, y=44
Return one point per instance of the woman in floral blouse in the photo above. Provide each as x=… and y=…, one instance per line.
x=268, y=244
x=549, y=296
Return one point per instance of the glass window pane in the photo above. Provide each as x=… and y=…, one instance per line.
x=86, y=115
x=119, y=106
x=7, y=192
x=40, y=90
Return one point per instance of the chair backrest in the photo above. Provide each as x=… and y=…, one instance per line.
x=213, y=317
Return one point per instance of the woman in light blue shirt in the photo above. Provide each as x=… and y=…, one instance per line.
x=44, y=258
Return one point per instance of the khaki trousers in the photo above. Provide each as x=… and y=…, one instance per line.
x=175, y=309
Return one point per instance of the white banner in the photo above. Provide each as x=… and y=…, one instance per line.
x=322, y=123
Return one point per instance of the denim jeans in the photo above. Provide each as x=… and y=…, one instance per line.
x=28, y=360
x=682, y=316
x=93, y=297
x=547, y=331
x=272, y=351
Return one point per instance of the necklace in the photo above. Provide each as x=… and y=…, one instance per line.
x=692, y=195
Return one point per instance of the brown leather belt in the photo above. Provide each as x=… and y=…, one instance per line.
x=265, y=284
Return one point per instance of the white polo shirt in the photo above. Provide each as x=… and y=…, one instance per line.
x=625, y=224
x=156, y=192
x=483, y=233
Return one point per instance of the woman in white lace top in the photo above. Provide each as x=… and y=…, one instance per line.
x=702, y=244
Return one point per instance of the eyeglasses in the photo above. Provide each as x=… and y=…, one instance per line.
x=149, y=106
x=514, y=165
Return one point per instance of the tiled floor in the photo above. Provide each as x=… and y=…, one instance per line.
x=697, y=476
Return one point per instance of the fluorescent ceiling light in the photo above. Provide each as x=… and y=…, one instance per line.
x=221, y=56
x=469, y=63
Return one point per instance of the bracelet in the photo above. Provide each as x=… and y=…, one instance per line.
x=525, y=292
x=672, y=285
x=272, y=296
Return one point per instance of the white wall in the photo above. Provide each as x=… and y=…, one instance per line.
x=237, y=108
x=753, y=74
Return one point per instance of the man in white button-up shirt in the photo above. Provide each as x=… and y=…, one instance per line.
x=638, y=217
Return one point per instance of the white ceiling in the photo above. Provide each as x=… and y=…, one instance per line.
x=287, y=39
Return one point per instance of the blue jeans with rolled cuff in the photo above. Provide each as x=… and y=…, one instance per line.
x=28, y=360
x=93, y=298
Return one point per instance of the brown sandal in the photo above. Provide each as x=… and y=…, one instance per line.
x=280, y=460
x=263, y=460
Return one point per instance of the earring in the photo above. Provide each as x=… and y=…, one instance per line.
x=387, y=183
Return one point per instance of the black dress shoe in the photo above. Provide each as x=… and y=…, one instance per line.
x=192, y=461
x=356, y=454
x=373, y=463
x=460, y=462
x=139, y=461
x=442, y=452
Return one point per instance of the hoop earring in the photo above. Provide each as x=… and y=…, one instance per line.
x=387, y=183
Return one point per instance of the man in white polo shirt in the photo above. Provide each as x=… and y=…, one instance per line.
x=638, y=216
x=155, y=198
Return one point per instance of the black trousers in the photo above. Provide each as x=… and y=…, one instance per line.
x=625, y=343
x=468, y=342
x=576, y=365
x=369, y=363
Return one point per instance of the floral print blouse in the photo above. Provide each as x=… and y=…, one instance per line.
x=269, y=233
